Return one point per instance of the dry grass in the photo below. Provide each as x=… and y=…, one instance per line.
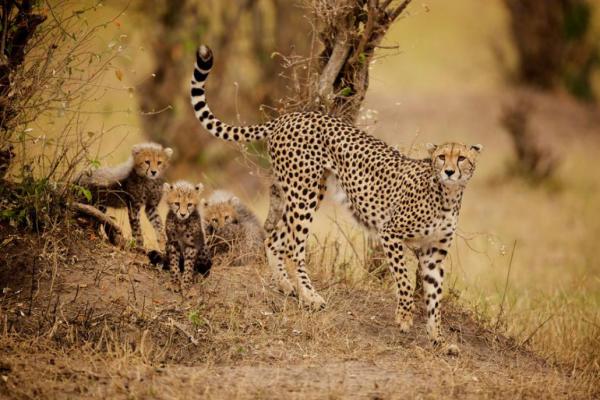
x=105, y=327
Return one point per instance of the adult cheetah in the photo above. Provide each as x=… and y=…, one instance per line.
x=411, y=203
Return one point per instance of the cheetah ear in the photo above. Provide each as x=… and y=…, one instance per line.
x=168, y=152
x=476, y=148
x=234, y=201
x=199, y=188
x=135, y=149
x=204, y=202
x=167, y=187
x=430, y=147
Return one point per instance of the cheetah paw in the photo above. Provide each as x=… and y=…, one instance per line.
x=312, y=299
x=452, y=350
x=286, y=287
x=174, y=287
x=405, y=321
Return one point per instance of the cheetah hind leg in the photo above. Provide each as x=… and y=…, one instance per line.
x=274, y=248
x=393, y=247
x=297, y=250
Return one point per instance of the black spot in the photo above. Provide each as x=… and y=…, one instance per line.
x=199, y=76
x=197, y=92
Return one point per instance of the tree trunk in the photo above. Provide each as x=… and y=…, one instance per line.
x=349, y=31
x=554, y=44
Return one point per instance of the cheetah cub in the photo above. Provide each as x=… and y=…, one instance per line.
x=135, y=184
x=233, y=230
x=185, y=235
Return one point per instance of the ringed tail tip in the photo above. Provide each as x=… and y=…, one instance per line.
x=204, y=58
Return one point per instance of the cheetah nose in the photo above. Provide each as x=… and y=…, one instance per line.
x=449, y=172
x=153, y=172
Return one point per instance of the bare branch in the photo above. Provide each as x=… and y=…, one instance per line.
x=372, y=15
x=332, y=69
x=395, y=13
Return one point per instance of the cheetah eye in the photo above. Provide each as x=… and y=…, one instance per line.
x=235, y=221
x=226, y=218
x=215, y=221
x=442, y=157
x=189, y=205
x=176, y=204
x=147, y=162
x=461, y=158
x=158, y=162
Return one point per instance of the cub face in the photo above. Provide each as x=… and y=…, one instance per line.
x=220, y=215
x=182, y=198
x=150, y=160
x=454, y=163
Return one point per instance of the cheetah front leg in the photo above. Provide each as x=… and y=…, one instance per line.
x=393, y=248
x=173, y=258
x=189, y=260
x=431, y=261
x=154, y=217
x=134, y=211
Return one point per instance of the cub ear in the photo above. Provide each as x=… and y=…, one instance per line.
x=476, y=147
x=135, y=150
x=430, y=147
x=234, y=201
x=168, y=152
x=199, y=187
x=167, y=187
x=204, y=202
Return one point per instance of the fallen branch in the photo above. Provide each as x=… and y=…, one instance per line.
x=114, y=232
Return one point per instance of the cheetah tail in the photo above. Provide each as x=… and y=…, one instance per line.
x=204, y=63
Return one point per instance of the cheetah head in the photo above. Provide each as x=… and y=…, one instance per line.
x=182, y=198
x=150, y=160
x=454, y=163
x=221, y=215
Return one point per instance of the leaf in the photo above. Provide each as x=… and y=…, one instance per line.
x=347, y=91
x=86, y=193
x=95, y=163
x=119, y=74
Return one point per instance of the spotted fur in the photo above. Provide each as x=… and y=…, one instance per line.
x=233, y=231
x=411, y=203
x=135, y=184
x=185, y=234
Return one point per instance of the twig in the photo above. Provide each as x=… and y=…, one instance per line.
x=32, y=283
x=505, y=285
x=182, y=329
x=524, y=342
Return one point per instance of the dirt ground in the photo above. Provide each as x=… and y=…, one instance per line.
x=78, y=325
